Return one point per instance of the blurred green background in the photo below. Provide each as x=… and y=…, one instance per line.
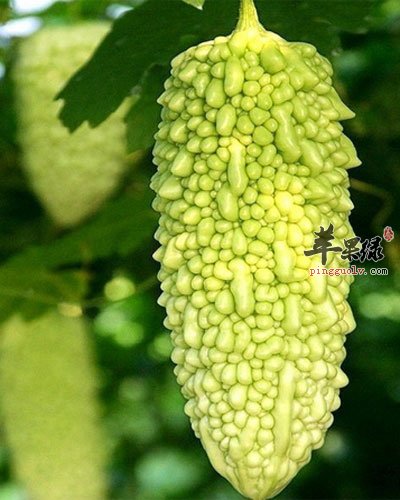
x=102, y=268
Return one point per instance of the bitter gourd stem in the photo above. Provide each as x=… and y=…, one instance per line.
x=248, y=16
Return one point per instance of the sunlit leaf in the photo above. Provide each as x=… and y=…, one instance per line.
x=196, y=3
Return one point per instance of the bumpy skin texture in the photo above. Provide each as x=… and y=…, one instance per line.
x=251, y=160
x=72, y=175
x=49, y=408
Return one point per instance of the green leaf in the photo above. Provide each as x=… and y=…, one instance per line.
x=4, y=13
x=31, y=289
x=196, y=3
x=119, y=229
x=144, y=115
x=150, y=34
x=157, y=30
x=31, y=281
x=317, y=21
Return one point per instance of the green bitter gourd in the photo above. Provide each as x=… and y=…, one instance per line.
x=251, y=161
x=49, y=409
x=71, y=174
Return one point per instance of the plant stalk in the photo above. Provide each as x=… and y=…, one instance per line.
x=248, y=17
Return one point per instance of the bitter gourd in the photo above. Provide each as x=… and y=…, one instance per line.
x=71, y=174
x=252, y=160
x=49, y=408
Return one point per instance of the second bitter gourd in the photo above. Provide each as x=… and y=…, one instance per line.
x=49, y=407
x=71, y=174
